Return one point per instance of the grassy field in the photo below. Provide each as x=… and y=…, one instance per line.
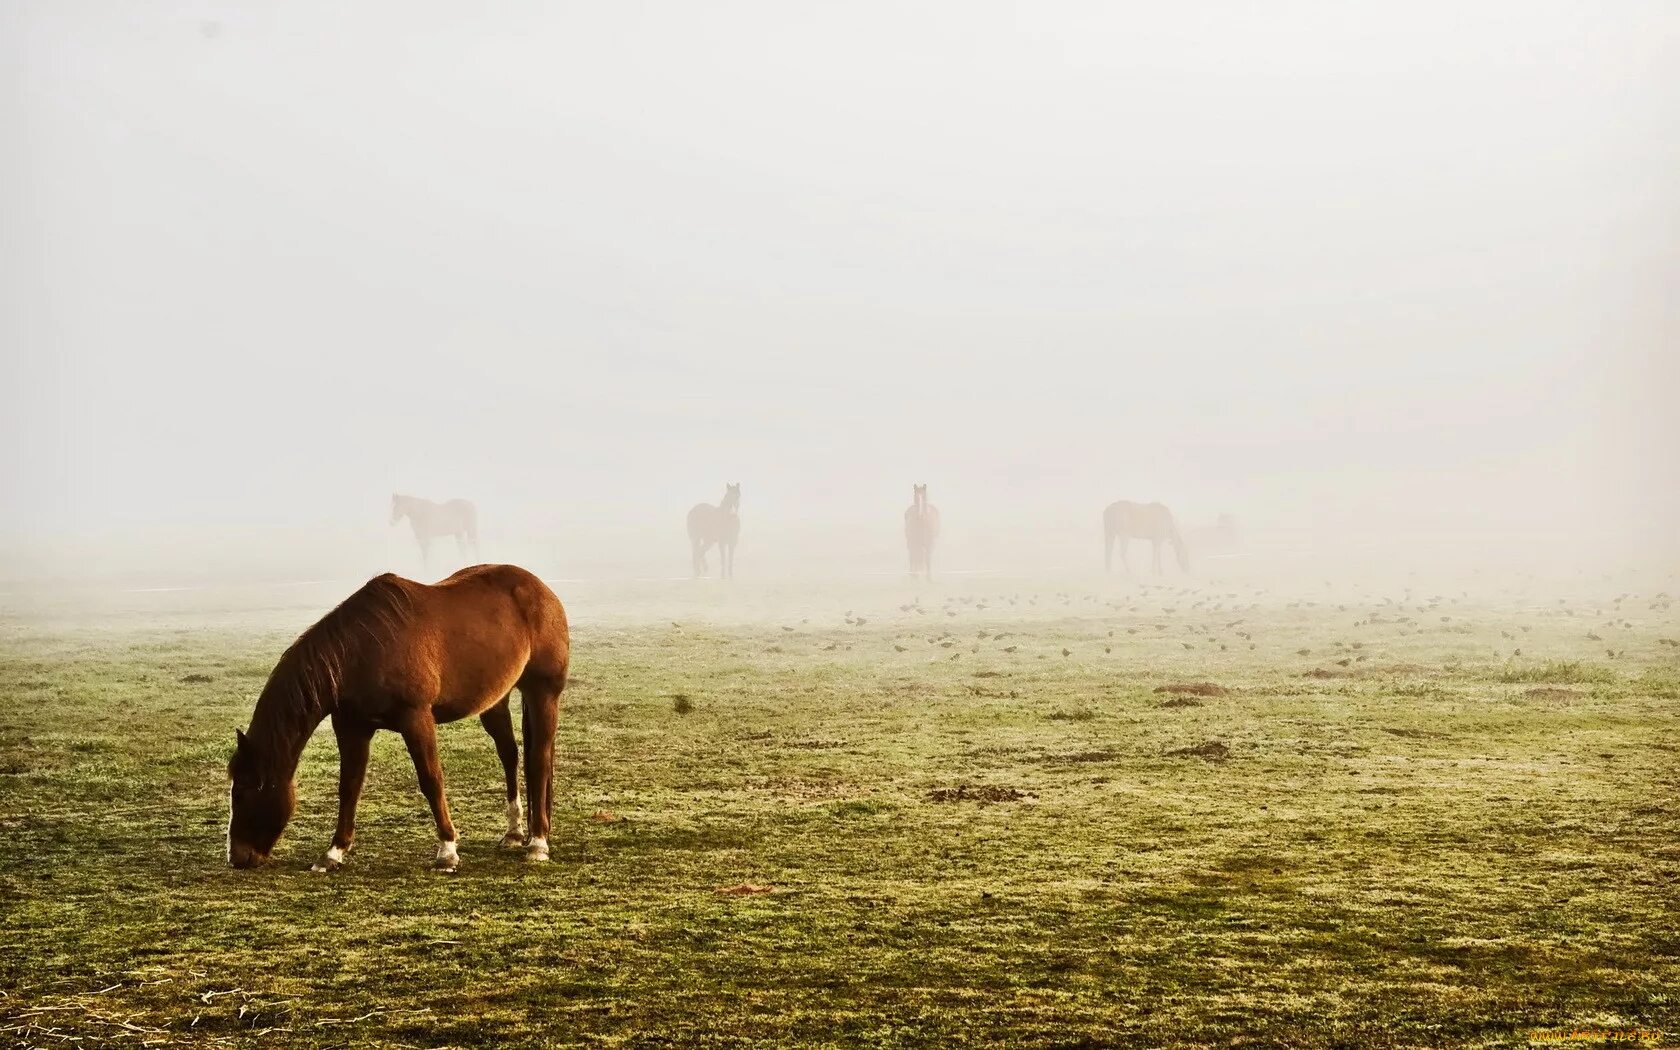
x=1370, y=821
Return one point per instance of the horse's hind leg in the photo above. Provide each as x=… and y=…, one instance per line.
x=539, y=703
x=421, y=737
x=353, y=741
x=498, y=722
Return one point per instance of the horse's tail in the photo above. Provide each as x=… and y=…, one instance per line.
x=1177, y=540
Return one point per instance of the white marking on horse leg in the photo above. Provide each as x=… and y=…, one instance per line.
x=447, y=858
x=538, y=850
x=331, y=862
x=514, y=837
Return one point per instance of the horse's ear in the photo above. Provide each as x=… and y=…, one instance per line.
x=239, y=739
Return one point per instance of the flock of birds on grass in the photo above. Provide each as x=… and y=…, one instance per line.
x=1407, y=615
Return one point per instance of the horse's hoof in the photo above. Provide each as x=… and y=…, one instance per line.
x=513, y=840
x=447, y=858
x=538, y=852
x=332, y=861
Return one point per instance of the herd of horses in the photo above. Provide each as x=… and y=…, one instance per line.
x=408, y=657
x=719, y=525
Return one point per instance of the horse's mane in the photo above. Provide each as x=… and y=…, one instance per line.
x=303, y=687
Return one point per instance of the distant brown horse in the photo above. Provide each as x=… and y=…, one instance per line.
x=1143, y=521
x=720, y=524
x=921, y=529
x=408, y=657
x=457, y=518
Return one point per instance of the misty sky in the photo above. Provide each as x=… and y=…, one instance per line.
x=263, y=264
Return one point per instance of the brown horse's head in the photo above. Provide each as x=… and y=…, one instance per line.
x=262, y=805
x=1183, y=552
x=731, y=495
x=397, y=508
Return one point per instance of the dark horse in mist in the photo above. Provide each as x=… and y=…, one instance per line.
x=408, y=657
x=719, y=524
x=457, y=518
x=921, y=529
x=1125, y=521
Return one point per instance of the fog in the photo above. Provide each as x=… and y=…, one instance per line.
x=1383, y=283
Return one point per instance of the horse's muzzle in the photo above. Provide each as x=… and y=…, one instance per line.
x=243, y=856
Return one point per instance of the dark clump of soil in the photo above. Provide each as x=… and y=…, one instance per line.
x=1078, y=714
x=195, y=677
x=1326, y=672
x=681, y=704
x=1551, y=692
x=1213, y=751
x=814, y=745
x=1194, y=688
x=1179, y=701
x=983, y=793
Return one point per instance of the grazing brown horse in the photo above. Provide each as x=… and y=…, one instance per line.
x=720, y=524
x=921, y=528
x=1143, y=521
x=457, y=518
x=408, y=657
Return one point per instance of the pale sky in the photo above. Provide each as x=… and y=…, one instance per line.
x=1407, y=265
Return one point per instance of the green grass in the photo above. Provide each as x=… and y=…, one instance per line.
x=1415, y=838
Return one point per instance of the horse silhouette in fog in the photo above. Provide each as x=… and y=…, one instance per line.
x=457, y=518
x=720, y=525
x=1141, y=521
x=921, y=528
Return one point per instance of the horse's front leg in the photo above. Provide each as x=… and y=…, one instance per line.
x=353, y=741
x=421, y=737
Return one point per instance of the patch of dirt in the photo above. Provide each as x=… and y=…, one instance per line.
x=1369, y=671
x=681, y=704
x=1411, y=734
x=1194, y=688
x=815, y=789
x=1085, y=756
x=196, y=678
x=988, y=674
x=1330, y=672
x=1213, y=751
x=983, y=793
x=814, y=745
x=1179, y=701
x=1551, y=692
x=1076, y=715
